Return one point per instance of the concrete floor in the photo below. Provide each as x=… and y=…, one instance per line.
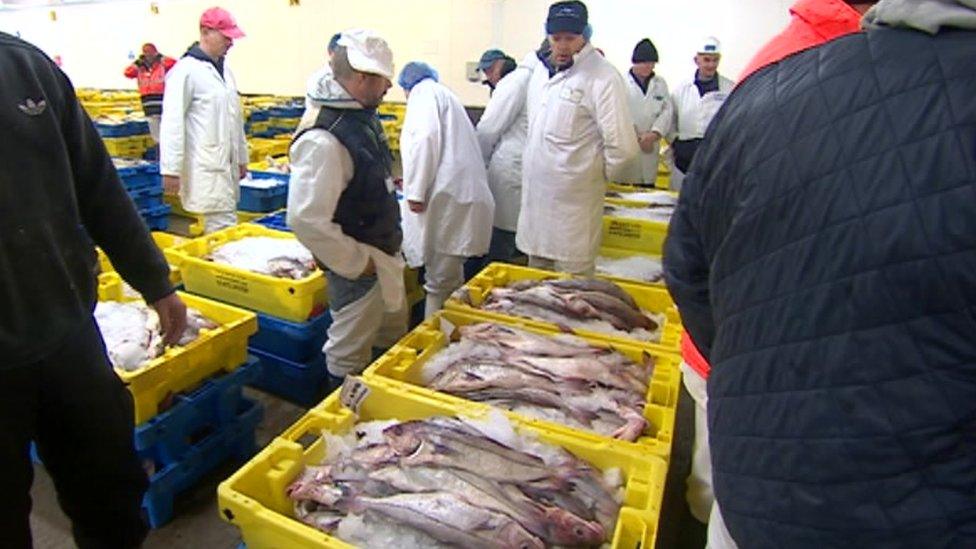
x=197, y=524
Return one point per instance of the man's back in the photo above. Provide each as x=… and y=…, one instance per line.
x=832, y=209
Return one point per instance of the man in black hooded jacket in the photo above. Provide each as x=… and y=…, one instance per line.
x=823, y=258
x=58, y=192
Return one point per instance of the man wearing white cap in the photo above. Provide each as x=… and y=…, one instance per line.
x=342, y=204
x=695, y=104
x=203, y=152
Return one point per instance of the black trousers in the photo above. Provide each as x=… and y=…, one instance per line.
x=81, y=417
x=684, y=153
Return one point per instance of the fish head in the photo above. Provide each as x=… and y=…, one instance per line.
x=569, y=529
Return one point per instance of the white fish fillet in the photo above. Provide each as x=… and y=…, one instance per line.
x=636, y=267
x=255, y=253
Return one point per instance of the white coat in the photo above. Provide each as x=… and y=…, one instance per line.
x=501, y=133
x=443, y=168
x=202, y=135
x=580, y=135
x=693, y=112
x=652, y=111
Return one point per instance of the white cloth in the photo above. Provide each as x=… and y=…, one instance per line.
x=699, y=493
x=717, y=535
x=367, y=52
x=202, y=135
x=693, y=112
x=321, y=169
x=501, y=133
x=213, y=222
x=360, y=326
x=581, y=268
x=443, y=275
x=652, y=112
x=443, y=168
x=580, y=135
x=312, y=86
x=153, y=121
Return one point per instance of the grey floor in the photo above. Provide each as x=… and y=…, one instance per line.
x=197, y=523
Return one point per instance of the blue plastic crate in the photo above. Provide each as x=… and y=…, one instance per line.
x=277, y=221
x=148, y=198
x=235, y=440
x=166, y=438
x=157, y=218
x=141, y=180
x=140, y=127
x=292, y=341
x=259, y=115
x=303, y=383
x=152, y=153
x=263, y=200
x=291, y=111
x=124, y=129
x=283, y=177
x=270, y=133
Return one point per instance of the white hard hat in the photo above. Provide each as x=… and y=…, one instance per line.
x=710, y=45
x=368, y=52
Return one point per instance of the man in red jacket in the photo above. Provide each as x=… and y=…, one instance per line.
x=149, y=70
x=814, y=23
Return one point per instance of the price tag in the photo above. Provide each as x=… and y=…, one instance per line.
x=353, y=393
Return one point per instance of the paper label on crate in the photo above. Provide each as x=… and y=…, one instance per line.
x=447, y=327
x=353, y=393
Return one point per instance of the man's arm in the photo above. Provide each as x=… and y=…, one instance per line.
x=665, y=119
x=502, y=111
x=321, y=168
x=172, y=130
x=616, y=126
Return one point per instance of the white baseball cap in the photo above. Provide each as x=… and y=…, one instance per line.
x=710, y=45
x=368, y=52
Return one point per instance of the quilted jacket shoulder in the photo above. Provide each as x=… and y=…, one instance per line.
x=823, y=256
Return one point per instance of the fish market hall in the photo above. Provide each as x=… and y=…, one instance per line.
x=488, y=274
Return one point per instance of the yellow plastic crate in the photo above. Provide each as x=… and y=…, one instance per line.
x=628, y=203
x=182, y=368
x=405, y=362
x=616, y=253
x=125, y=146
x=294, y=300
x=164, y=241
x=278, y=122
x=639, y=235
x=193, y=222
x=498, y=275
x=247, y=217
x=254, y=500
x=262, y=148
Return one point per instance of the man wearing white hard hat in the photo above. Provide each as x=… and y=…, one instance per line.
x=695, y=104
x=342, y=204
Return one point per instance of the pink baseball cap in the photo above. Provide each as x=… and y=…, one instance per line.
x=221, y=20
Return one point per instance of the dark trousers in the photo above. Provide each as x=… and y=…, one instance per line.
x=81, y=417
x=502, y=249
x=684, y=153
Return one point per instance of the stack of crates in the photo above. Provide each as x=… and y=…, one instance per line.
x=263, y=198
x=292, y=315
x=144, y=185
x=190, y=411
x=125, y=139
x=258, y=123
x=285, y=118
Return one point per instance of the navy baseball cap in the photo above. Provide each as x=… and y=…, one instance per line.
x=567, y=17
x=490, y=57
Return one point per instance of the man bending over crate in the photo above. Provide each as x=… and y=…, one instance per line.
x=58, y=192
x=342, y=205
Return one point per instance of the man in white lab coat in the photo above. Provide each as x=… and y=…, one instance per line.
x=696, y=102
x=342, y=204
x=203, y=152
x=501, y=134
x=449, y=208
x=580, y=135
x=651, y=107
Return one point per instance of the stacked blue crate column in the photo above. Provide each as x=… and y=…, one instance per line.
x=291, y=356
x=265, y=192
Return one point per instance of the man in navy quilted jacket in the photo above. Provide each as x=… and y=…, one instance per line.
x=823, y=257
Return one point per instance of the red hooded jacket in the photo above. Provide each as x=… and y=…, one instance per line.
x=814, y=23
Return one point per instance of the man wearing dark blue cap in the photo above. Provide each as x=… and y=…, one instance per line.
x=494, y=64
x=580, y=136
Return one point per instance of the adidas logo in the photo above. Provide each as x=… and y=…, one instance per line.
x=31, y=107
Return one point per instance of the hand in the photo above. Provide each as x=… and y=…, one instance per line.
x=370, y=269
x=416, y=207
x=171, y=184
x=172, y=318
x=648, y=141
x=243, y=171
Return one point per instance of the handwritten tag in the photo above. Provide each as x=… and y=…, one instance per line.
x=354, y=392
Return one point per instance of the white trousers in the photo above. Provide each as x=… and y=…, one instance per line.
x=213, y=222
x=357, y=328
x=443, y=274
x=701, y=498
x=154, y=121
x=582, y=268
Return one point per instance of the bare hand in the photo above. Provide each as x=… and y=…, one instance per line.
x=416, y=207
x=370, y=269
x=648, y=141
x=172, y=318
x=171, y=184
x=243, y=171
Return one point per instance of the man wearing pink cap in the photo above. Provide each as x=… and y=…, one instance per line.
x=203, y=152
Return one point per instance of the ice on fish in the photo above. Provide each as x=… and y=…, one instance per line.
x=635, y=267
x=261, y=183
x=657, y=198
x=651, y=213
x=279, y=257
